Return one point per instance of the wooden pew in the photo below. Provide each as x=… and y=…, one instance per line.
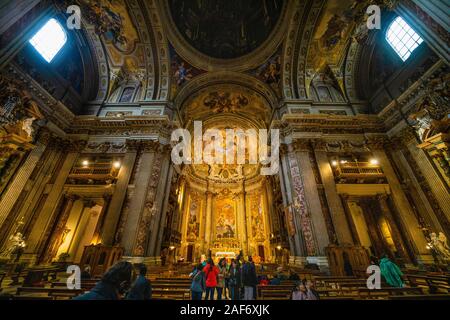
x=267, y=288
x=85, y=285
x=275, y=294
x=384, y=293
x=422, y=297
x=55, y=293
x=433, y=284
x=171, y=294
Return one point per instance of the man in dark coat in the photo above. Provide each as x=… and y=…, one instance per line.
x=113, y=283
x=249, y=279
x=141, y=288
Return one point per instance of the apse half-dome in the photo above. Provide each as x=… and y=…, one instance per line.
x=226, y=29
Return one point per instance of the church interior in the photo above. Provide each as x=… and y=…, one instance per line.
x=92, y=90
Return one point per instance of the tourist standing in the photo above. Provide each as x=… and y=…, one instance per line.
x=141, y=288
x=234, y=282
x=198, y=284
x=221, y=278
x=211, y=273
x=391, y=272
x=249, y=279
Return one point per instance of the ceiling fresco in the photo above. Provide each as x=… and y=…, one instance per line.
x=226, y=29
x=226, y=99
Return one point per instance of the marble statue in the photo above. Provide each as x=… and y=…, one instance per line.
x=441, y=245
x=15, y=243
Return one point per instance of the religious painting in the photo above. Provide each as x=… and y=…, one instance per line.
x=225, y=219
x=181, y=71
x=111, y=20
x=256, y=212
x=270, y=72
x=193, y=225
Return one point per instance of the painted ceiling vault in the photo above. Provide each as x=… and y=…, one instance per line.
x=226, y=29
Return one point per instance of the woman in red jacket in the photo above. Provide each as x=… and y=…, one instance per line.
x=211, y=272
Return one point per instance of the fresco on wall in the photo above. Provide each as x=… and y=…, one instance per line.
x=182, y=71
x=270, y=72
x=112, y=20
x=256, y=212
x=225, y=219
x=193, y=226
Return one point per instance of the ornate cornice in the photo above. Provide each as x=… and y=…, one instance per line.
x=333, y=124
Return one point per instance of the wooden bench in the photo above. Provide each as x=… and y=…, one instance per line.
x=365, y=293
x=171, y=294
x=31, y=298
x=267, y=288
x=422, y=297
x=275, y=294
x=50, y=292
x=434, y=284
x=85, y=285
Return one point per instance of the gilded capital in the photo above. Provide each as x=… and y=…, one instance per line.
x=319, y=144
x=377, y=143
x=301, y=145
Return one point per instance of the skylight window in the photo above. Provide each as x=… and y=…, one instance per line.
x=402, y=38
x=49, y=40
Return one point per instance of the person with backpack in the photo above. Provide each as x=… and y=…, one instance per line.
x=211, y=273
x=198, y=284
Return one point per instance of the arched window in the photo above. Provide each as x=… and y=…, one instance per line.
x=402, y=38
x=49, y=40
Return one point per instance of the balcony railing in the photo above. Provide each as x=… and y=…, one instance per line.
x=358, y=170
x=97, y=171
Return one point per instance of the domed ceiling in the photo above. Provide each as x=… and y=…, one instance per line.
x=226, y=29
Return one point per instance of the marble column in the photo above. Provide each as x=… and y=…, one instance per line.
x=395, y=232
x=337, y=212
x=113, y=215
x=407, y=217
x=16, y=187
x=58, y=233
x=164, y=211
x=432, y=177
x=302, y=150
x=101, y=218
x=137, y=200
x=38, y=234
x=242, y=222
x=208, y=229
x=159, y=202
x=295, y=242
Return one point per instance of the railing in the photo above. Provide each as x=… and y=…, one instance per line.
x=358, y=169
x=97, y=171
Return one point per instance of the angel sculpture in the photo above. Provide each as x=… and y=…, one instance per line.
x=440, y=244
x=15, y=245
